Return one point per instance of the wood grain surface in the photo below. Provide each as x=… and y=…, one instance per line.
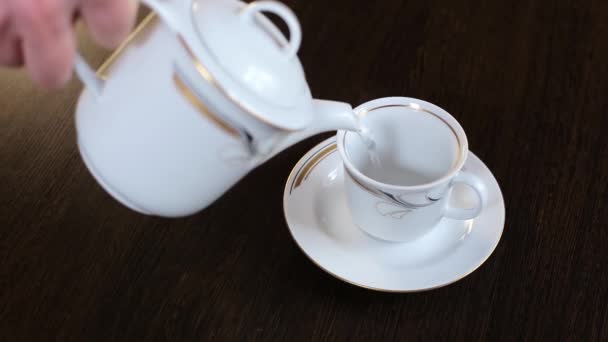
x=527, y=79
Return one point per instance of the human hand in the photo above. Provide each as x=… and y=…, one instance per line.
x=39, y=34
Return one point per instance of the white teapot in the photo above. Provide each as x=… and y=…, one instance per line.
x=208, y=96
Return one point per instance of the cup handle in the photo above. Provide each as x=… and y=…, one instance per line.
x=475, y=183
x=286, y=14
x=89, y=77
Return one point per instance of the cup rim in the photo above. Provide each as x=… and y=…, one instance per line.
x=413, y=104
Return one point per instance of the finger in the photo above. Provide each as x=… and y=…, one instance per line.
x=10, y=46
x=47, y=40
x=109, y=21
x=4, y=15
x=10, y=52
x=5, y=23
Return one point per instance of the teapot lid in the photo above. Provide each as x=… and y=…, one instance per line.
x=252, y=61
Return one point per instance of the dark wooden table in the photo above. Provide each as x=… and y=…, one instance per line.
x=528, y=80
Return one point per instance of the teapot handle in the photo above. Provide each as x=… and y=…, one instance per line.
x=90, y=78
x=286, y=14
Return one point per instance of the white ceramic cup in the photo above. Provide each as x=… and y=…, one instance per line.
x=422, y=150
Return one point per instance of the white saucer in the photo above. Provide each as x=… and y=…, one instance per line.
x=319, y=220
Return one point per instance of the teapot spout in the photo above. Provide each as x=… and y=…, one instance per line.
x=328, y=116
x=332, y=116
